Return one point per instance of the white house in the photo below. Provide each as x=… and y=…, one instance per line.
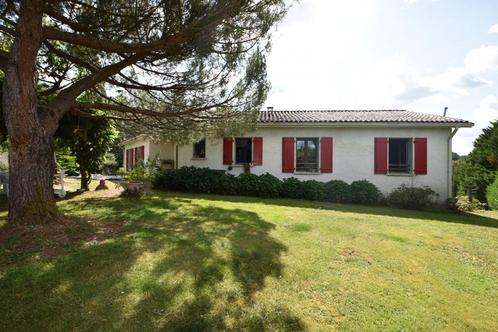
x=385, y=147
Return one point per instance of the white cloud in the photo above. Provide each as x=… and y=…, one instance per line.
x=481, y=59
x=493, y=29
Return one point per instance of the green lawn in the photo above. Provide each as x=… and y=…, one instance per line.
x=196, y=262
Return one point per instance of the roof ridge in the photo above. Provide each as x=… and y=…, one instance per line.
x=338, y=110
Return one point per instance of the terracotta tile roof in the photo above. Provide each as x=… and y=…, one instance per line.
x=350, y=116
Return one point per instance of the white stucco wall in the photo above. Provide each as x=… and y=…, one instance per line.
x=164, y=151
x=353, y=157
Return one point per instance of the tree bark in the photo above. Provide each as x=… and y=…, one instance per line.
x=85, y=179
x=31, y=150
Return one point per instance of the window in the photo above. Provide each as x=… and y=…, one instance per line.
x=200, y=149
x=243, y=150
x=400, y=155
x=307, y=155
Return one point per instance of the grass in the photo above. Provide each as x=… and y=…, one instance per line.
x=198, y=262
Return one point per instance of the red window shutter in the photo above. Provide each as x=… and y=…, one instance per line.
x=288, y=155
x=381, y=155
x=420, y=155
x=227, y=151
x=142, y=153
x=132, y=158
x=257, y=152
x=326, y=154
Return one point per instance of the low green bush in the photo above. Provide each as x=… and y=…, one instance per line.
x=313, y=190
x=292, y=188
x=205, y=180
x=412, y=197
x=492, y=194
x=337, y=191
x=269, y=186
x=465, y=204
x=364, y=192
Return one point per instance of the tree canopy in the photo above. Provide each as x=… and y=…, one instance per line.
x=162, y=66
x=474, y=173
x=175, y=68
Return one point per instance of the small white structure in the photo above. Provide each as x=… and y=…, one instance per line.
x=387, y=148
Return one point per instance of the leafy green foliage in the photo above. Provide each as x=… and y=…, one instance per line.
x=64, y=156
x=338, y=191
x=414, y=198
x=364, y=192
x=471, y=178
x=463, y=203
x=89, y=140
x=492, y=194
x=205, y=180
x=291, y=187
x=143, y=171
x=485, y=151
x=474, y=173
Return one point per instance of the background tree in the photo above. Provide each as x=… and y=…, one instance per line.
x=89, y=140
x=178, y=66
x=474, y=173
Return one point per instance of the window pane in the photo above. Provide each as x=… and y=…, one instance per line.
x=400, y=155
x=307, y=155
x=300, y=151
x=243, y=150
x=200, y=149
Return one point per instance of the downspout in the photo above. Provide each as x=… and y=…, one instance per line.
x=176, y=156
x=450, y=163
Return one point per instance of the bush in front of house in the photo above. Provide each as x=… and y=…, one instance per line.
x=313, y=190
x=291, y=188
x=463, y=203
x=310, y=190
x=492, y=194
x=364, y=192
x=265, y=185
x=205, y=180
x=415, y=198
x=269, y=186
x=337, y=191
x=197, y=180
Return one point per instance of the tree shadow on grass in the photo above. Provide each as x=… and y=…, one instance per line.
x=206, y=265
x=435, y=215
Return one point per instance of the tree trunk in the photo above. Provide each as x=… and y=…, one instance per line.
x=31, y=150
x=85, y=179
x=31, y=194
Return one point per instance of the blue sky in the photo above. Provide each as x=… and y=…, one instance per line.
x=420, y=55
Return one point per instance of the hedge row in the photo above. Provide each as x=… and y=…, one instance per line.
x=205, y=180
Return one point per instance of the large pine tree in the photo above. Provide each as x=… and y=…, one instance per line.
x=174, y=65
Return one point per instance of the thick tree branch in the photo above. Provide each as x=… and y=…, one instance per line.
x=187, y=33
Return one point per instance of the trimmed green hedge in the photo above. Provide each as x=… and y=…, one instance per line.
x=492, y=194
x=412, y=197
x=205, y=180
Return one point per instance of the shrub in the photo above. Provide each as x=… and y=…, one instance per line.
x=337, y=191
x=268, y=186
x=412, y=197
x=492, y=194
x=465, y=204
x=364, y=192
x=292, y=188
x=313, y=190
x=199, y=180
x=247, y=184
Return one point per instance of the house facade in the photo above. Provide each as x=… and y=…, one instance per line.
x=387, y=148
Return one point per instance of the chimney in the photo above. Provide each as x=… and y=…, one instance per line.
x=269, y=108
x=445, y=110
